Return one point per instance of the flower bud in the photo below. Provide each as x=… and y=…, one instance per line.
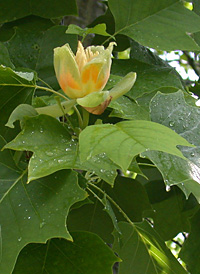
x=86, y=72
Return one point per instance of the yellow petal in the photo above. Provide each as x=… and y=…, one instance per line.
x=67, y=71
x=80, y=57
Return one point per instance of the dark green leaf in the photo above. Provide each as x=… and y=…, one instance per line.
x=55, y=150
x=4, y=57
x=36, y=211
x=157, y=24
x=149, y=77
x=15, y=88
x=143, y=251
x=126, y=108
x=61, y=256
x=172, y=111
x=171, y=209
x=47, y=9
x=33, y=48
x=92, y=218
x=131, y=196
x=190, y=251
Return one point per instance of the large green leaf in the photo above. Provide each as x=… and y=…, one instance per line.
x=127, y=108
x=124, y=140
x=55, y=150
x=15, y=88
x=190, y=250
x=35, y=212
x=168, y=225
x=61, y=256
x=149, y=77
x=93, y=218
x=143, y=251
x=171, y=110
x=156, y=24
x=131, y=196
x=47, y=9
x=32, y=46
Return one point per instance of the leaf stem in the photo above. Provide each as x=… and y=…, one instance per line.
x=86, y=116
x=45, y=83
x=112, y=201
x=80, y=120
x=51, y=90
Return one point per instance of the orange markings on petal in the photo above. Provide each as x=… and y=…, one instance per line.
x=63, y=82
x=102, y=81
x=95, y=72
x=92, y=72
x=71, y=82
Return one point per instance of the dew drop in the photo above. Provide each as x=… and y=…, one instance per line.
x=171, y=123
x=60, y=161
x=42, y=224
x=19, y=239
x=168, y=188
x=28, y=217
x=49, y=153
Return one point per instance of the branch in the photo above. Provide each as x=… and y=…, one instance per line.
x=191, y=62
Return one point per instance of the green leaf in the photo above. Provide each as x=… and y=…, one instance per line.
x=37, y=212
x=33, y=48
x=123, y=86
x=130, y=196
x=145, y=55
x=98, y=29
x=46, y=9
x=168, y=225
x=15, y=88
x=61, y=256
x=19, y=113
x=92, y=218
x=4, y=57
x=54, y=150
x=157, y=24
x=190, y=250
x=124, y=140
x=171, y=110
x=127, y=108
x=143, y=251
x=93, y=99
x=149, y=77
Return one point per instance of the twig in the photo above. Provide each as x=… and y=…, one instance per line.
x=191, y=62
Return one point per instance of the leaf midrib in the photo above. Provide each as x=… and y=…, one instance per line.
x=144, y=19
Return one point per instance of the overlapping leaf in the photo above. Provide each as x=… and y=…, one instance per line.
x=157, y=24
x=172, y=111
x=190, y=251
x=55, y=150
x=91, y=217
x=149, y=77
x=32, y=46
x=35, y=212
x=124, y=140
x=143, y=251
x=15, y=88
x=10, y=11
x=168, y=225
x=131, y=196
x=61, y=256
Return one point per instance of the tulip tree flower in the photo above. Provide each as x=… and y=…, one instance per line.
x=84, y=75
